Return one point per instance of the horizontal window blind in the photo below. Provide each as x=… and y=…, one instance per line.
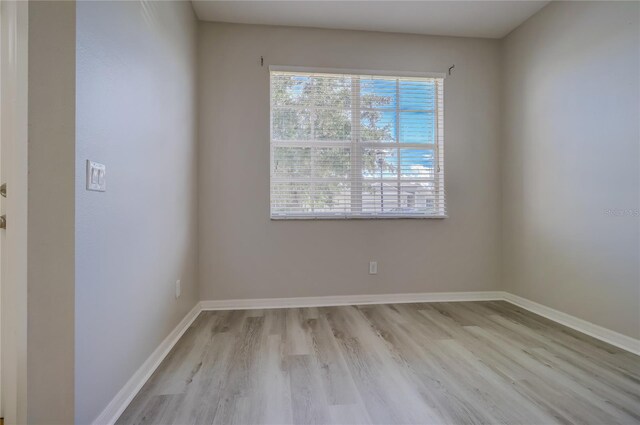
x=356, y=146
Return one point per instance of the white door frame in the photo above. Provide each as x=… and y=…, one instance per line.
x=13, y=139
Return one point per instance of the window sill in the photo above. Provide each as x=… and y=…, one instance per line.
x=342, y=217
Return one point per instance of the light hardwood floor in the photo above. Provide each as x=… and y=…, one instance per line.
x=427, y=363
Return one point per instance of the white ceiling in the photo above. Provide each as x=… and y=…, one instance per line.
x=490, y=19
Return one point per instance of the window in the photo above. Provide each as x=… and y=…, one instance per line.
x=355, y=145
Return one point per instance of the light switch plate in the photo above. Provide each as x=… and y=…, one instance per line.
x=96, y=176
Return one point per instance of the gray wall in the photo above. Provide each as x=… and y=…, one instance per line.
x=50, y=217
x=245, y=255
x=136, y=112
x=570, y=159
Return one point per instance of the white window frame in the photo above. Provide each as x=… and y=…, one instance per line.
x=355, y=145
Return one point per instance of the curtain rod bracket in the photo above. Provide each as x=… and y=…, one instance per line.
x=261, y=61
x=451, y=68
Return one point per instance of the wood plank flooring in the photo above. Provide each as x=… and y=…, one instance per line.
x=427, y=363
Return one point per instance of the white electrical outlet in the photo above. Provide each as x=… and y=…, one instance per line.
x=178, y=289
x=373, y=267
x=96, y=176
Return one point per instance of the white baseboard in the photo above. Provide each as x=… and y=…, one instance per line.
x=120, y=402
x=607, y=335
x=329, y=301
